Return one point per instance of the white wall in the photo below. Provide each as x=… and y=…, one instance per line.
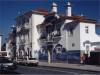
x=17, y=45
x=63, y=37
x=36, y=20
x=91, y=36
x=30, y=30
x=74, y=39
x=8, y=50
x=79, y=36
x=68, y=40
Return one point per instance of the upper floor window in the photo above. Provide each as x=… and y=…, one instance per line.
x=87, y=29
x=70, y=32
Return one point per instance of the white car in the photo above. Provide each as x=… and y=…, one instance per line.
x=33, y=61
x=29, y=61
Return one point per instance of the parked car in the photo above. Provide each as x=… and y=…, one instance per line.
x=29, y=61
x=6, y=64
x=33, y=61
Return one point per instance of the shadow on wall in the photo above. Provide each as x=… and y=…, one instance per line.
x=64, y=56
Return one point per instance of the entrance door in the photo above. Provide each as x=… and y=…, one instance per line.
x=87, y=51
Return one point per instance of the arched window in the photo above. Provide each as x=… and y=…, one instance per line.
x=58, y=48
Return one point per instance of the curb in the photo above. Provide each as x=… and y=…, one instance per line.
x=48, y=65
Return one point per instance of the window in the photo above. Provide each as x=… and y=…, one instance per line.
x=86, y=29
x=70, y=32
x=27, y=20
x=58, y=48
x=73, y=44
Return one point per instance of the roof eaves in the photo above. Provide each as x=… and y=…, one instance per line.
x=79, y=18
x=37, y=12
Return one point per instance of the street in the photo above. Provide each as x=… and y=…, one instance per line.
x=47, y=70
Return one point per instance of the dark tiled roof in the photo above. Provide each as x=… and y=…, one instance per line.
x=44, y=12
x=41, y=10
x=79, y=18
x=36, y=11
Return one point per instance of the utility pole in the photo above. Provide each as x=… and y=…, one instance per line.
x=49, y=48
x=0, y=41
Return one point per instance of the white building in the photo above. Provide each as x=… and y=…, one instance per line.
x=8, y=48
x=77, y=33
x=11, y=43
x=2, y=51
x=38, y=29
x=27, y=34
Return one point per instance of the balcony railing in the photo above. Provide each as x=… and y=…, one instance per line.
x=23, y=30
x=50, y=37
x=42, y=37
x=57, y=36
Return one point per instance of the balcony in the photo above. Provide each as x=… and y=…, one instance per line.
x=56, y=34
x=42, y=38
x=23, y=30
x=27, y=26
x=22, y=42
x=52, y=37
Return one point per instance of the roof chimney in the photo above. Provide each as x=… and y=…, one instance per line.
x=54, y=7
x=68, y=9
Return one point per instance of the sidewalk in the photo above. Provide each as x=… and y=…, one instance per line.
x=71, y=66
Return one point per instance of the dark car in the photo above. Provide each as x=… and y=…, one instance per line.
x=6, y=64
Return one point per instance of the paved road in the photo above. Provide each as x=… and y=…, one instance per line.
x=48, y=70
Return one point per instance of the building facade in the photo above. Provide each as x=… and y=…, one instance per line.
x=65, y=36
x=2, y=48
x=11, y=43
x=27, y=34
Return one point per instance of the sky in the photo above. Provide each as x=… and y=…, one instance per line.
x=9, y=10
